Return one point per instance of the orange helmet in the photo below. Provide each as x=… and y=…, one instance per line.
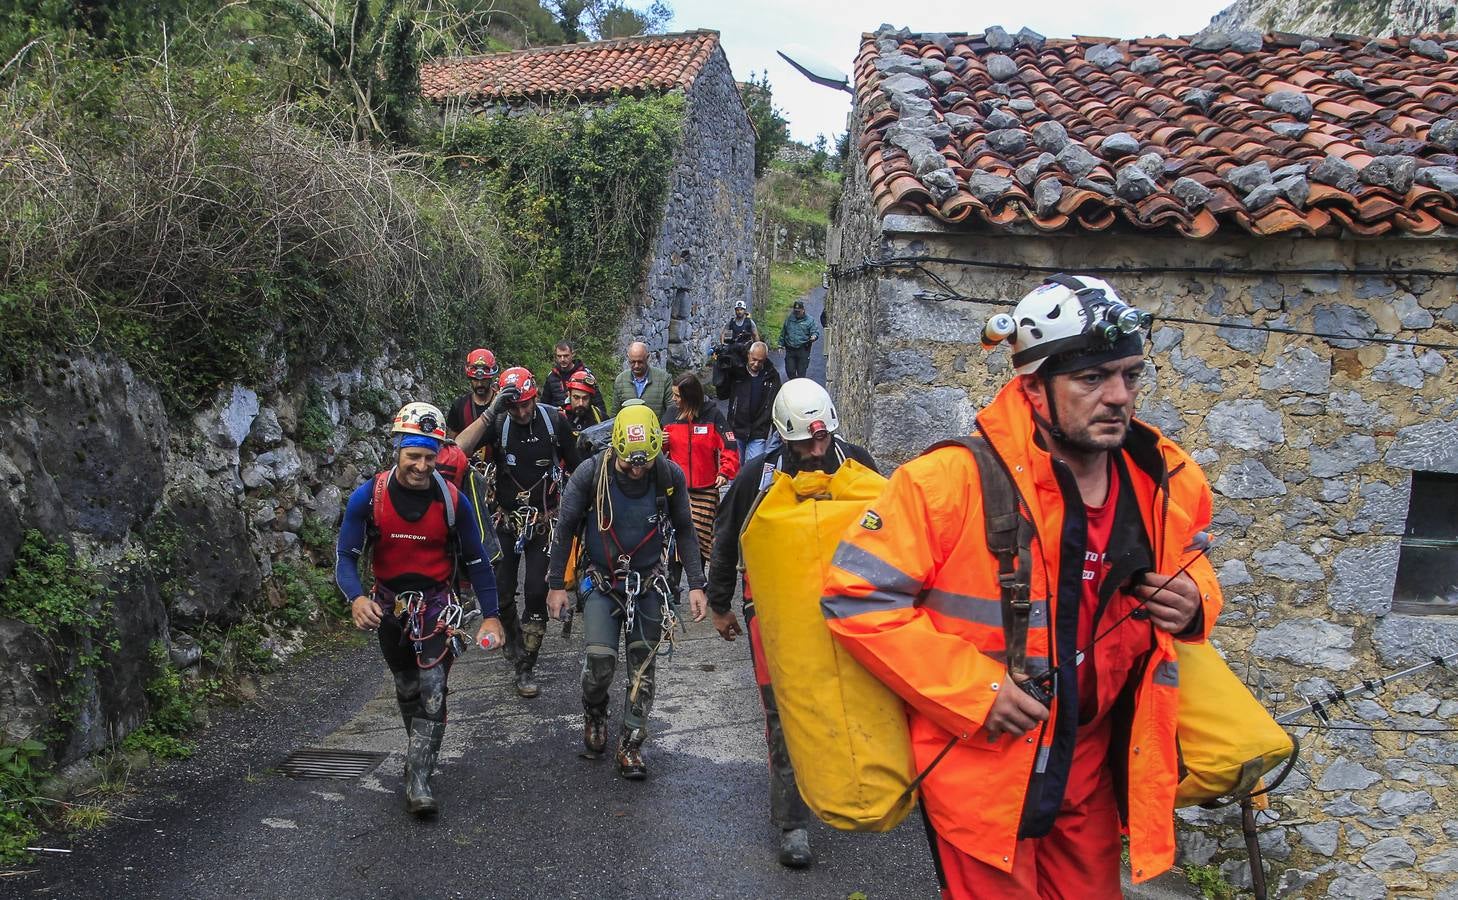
x=481, y=364
x=583, y=381
x=520, y=380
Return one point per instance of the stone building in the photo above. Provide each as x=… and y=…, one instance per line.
x=1249, y=190
x=703, y=255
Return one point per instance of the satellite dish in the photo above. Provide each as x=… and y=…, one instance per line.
x=816, y=69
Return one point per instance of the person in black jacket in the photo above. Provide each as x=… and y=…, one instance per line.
x=805, y=418
x=554, y=387
x=533, y=446
x=751, y=396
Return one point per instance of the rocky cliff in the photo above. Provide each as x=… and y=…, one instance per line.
x=1374, y=17
x=189, y=523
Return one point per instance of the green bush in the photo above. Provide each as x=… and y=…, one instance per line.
x=577, y=196
x=62, y=598
x=21, y=773
x=174, y=703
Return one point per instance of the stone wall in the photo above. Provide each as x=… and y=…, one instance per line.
x=1310, y=446
x=704, y=250
x=183, y=517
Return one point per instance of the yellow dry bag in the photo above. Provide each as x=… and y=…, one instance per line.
x=845, y=730
x=1227, y=740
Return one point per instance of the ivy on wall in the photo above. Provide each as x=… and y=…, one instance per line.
x=577, y=194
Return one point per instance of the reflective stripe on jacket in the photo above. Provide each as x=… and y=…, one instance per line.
x=913, y=594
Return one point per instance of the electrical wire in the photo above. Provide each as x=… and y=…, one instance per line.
x=949, y=293
x=1358, y=272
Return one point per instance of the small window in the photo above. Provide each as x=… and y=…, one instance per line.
x=1427, y=570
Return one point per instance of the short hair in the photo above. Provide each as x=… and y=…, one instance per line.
x=563, y=345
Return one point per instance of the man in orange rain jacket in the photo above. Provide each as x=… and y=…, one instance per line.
x=1031, y=797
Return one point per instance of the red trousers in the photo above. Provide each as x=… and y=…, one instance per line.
x=1078, y=859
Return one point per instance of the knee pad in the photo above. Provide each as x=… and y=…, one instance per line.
x=433, y=693
x=532, y=633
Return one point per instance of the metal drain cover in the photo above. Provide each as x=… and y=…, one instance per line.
x=318, y=763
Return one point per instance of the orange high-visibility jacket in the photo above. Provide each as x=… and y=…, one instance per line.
x=913, y=594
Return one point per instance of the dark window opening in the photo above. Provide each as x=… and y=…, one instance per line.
x=1427, y=569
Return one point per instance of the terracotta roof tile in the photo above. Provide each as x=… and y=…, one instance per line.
x=656, y=62
x=1255, y=112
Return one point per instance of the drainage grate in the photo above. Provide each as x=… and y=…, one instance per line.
x=317, y=763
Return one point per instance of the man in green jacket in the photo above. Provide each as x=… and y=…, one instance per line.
x=648, y=383
x=797, y=335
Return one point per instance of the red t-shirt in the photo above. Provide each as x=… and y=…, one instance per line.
x=1100, y=527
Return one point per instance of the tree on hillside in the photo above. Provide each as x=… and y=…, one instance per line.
x=587, y=20
x=371, y=54
x=770, y=126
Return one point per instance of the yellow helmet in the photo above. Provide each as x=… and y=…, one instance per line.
x=637, y=436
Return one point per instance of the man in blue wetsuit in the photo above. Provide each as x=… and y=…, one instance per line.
x=422, y=533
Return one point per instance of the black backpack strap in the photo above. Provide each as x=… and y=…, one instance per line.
x=1010, y=538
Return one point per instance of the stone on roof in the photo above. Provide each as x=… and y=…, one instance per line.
x=1268, y=134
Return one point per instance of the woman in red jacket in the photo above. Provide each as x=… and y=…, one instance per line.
x=700, y=442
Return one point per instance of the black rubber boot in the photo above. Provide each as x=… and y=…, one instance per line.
x=594, y=731
x=795, y=852
x=511, y=629
x=425, y=738
x=630, y=755
x=532, y=633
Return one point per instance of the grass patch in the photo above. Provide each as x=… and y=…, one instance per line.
x=788, y=282
x=1210, y=882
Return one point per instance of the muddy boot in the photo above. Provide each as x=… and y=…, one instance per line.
x=795, y=850
x=425, y=738
x=532, y=633
x=594, y=731
x=630, y=755
x=511, y=630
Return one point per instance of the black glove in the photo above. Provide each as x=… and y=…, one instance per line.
x=505, y=396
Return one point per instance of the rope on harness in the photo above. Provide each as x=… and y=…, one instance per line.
x=448, y=622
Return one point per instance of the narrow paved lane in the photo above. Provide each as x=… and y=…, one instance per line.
x=523, y=815
x=814, y=304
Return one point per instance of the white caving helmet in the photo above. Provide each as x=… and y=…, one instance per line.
x=803, y=409
x=420, y=419
x=1079, y=319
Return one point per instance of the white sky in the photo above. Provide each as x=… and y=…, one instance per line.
x=752, y=30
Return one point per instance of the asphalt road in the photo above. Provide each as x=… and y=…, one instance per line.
x=523, y=815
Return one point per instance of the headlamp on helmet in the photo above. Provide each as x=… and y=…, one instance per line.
x=637, y=437
x=419, y=418
x=1078, y=320
x=481, y=364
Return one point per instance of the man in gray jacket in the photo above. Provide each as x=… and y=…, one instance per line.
x=647, y=383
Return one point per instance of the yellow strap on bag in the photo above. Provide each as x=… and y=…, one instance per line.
x=1227, y=740
x=845, y=730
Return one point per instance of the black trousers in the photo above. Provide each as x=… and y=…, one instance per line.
x=420, y=692
x=534, y=587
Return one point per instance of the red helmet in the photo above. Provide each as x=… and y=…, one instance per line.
x=520, y=380
x=584, y=381
x=481, y=364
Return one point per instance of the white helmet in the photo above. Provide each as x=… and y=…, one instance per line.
x=803, y=409
x=1067, y=314
x=740, y=304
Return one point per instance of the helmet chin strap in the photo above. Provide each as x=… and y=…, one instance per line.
x=1050, y=424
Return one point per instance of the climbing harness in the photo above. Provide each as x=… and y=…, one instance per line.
x=413, y=607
